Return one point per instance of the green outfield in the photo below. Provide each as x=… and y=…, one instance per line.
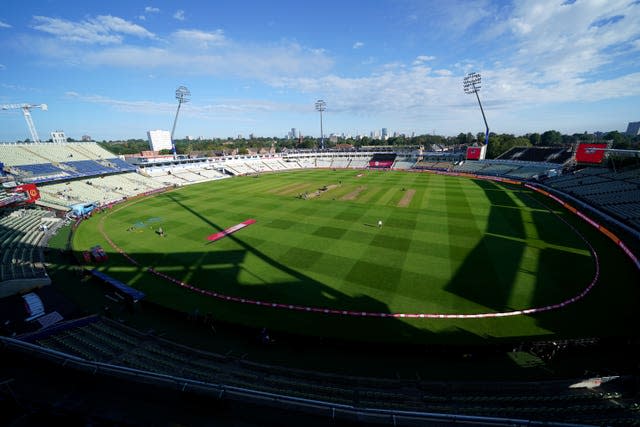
x=448, y=245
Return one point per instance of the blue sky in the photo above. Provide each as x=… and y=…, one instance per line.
x=110, y=69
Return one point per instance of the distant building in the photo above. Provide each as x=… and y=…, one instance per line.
x=385, y=134
x=86, y=138
x=159, y=140
x=633, y=129
x=58, y=137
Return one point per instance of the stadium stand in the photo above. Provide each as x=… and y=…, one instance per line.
x=95, y=175
x=470, y=167
x=404, y=162
x=359, y=161
x=324, y=161
x=51, y=162
x=21, y=265
x=104, y=189
x=433, y=164
x=100, y=340
x=615, y=193
x=556, y=155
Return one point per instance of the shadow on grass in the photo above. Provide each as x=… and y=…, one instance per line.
x=220, y=271
x=487, y=274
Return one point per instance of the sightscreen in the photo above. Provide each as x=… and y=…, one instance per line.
x=590, y=152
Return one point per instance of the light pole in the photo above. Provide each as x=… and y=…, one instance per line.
x=472, y=83
x=182, y=95
x=321, y=106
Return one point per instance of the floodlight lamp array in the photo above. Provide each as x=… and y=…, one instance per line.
x=472, y=83
x=321, y=105
x=183, y=94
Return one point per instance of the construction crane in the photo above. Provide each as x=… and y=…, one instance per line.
x=26, y=110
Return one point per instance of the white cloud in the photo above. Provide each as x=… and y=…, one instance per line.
x=451, y=17
x=179, y=15
x=3, y=67
x=565, y=41
x=150, y=9
x=4, y=25
x=417, y=92
x=104, y=29
x=193, y=109
x=230, y=59
x=442, y=72
x=203, y=38
x=188, y=51
x=142, y=18
x=562, y=57
x=421, y=59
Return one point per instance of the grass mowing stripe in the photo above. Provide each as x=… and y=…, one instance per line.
x=449, y=253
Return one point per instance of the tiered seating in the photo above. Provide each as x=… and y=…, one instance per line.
x=307, y=162
x=512, y=169
x=119, y=165
x=39, y=172
x=211, y=174
x=557, y=155
x=106, y=341
x=324, y=162
x=433, y=165
x=240, y=167
x=403, y=162
x=20, y=235
x=132, y=183
x=47, y=162
x=617, y=193
x=470, y=167
x=290, y=164
x=526, y=172
x=341, y=162
x=498, y=169
x=170, y=179
x=104, y=189
x=88, y=167
x=28, y=153
x=275, y=164
x=88, y=150
x=359, y=162
x=189, y=175
x=6, y=198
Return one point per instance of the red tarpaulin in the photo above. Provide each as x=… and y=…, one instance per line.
x=221, y=234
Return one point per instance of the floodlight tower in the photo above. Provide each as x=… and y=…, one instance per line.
x=182, y=95
x=26, y=111
x=321, y=106
x=472, y=83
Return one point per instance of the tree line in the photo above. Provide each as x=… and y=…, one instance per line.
x=498, y=143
